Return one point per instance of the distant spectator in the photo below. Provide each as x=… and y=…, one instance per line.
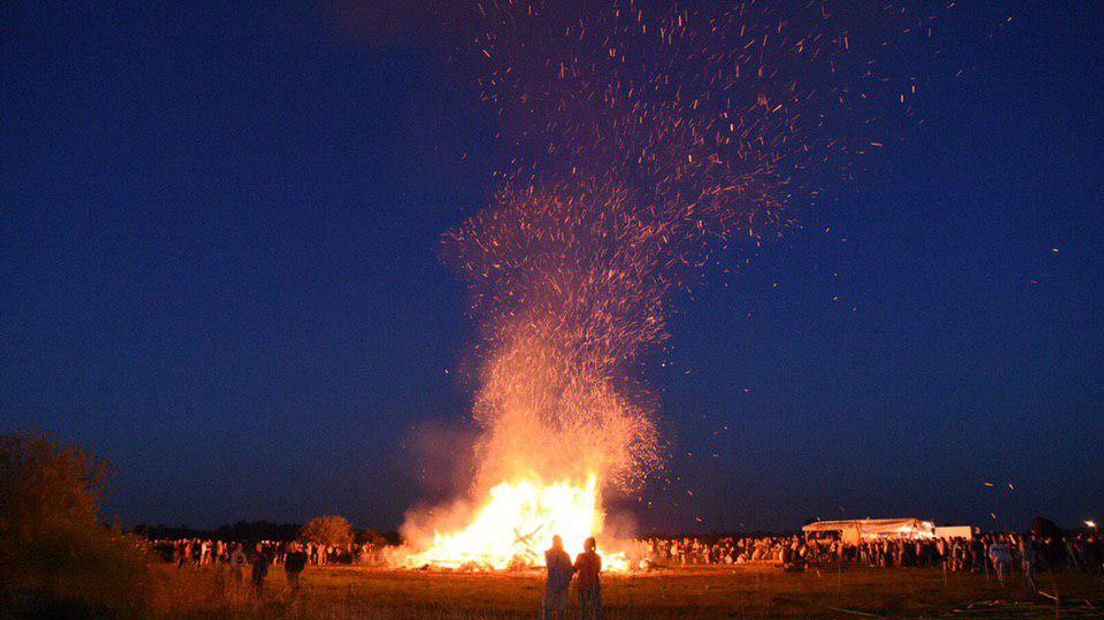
x=294, y=564
x=260, y=569
x=237, y=563
x=1001, y=558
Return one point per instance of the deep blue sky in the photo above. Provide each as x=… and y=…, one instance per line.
x=219, y=267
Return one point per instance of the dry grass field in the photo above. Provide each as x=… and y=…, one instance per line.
x=710, y=592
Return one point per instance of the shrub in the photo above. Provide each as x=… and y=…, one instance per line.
x=55, y=555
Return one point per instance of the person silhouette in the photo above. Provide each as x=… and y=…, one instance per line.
x=557, y=580
x=260, y=568
x=589, y=565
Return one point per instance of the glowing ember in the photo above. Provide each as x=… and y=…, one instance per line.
x=648, y=143
x=516, y=525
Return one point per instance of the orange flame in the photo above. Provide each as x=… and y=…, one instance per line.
x=516, y=524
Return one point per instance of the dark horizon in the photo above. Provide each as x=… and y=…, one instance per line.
x=221, y=270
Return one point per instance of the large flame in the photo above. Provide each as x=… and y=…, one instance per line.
x=647, y=141
x=516, y=525
x=629, y=181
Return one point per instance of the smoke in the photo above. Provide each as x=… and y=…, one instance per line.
x=650, y=142
x=647, y=140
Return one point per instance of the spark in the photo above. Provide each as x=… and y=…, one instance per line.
x=649, y=145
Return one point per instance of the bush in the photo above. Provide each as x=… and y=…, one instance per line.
x=55, y=555
x=330, y=530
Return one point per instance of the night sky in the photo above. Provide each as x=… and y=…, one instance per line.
x=220, y=268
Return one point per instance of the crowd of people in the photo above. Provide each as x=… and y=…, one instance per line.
x=253, y=561
x=186, y=552
x=998, y=554
x=993, y=552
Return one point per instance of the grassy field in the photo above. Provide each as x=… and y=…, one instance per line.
x=711, y=592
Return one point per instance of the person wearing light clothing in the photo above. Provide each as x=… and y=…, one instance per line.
x=1001, y=558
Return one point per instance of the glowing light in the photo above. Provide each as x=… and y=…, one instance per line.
x=516, y=524
x=630, y=181
x=1091, y=524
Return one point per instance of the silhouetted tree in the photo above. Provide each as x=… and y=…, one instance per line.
x=330, y=530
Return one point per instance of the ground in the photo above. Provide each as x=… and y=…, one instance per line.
x=708, y=592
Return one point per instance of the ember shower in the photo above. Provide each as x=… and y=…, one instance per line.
x=650, y=145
